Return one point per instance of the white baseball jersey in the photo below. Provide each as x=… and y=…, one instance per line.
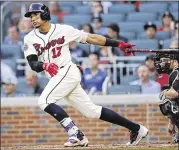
x=53, y=46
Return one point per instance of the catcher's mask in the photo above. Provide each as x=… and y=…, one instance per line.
x=163, y=62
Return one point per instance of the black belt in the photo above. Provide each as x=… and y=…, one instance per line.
x=61, y=67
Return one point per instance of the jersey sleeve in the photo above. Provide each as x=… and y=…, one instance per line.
x=174, y=80
x=76, y=35
x=28, y=47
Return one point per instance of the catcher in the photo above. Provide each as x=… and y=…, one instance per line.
x=169, y=98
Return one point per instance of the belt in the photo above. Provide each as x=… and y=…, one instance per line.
x=61, y=67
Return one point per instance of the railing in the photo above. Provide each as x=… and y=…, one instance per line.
x=114, y=69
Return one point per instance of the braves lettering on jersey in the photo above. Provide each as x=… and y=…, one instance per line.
x=53, y=46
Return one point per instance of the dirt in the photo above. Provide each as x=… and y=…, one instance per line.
x=98, y=147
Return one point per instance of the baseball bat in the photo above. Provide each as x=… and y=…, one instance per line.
x=164, y=51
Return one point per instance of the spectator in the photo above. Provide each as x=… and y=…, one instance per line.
x=56, y=11
x=13, y=36
x=148, y=86
x=114, y=32
x=174, y=44
x=149, y=62
x=9, y=83
x=87, y=28
x=93, y=77
x=32, y=82
x=15, y=19
x=97, y=24
x=105, y=51
x=76, y=51
x=150, y=30
x=25, y=26
x=167, y=21
x=175, y=37
x=97, y=8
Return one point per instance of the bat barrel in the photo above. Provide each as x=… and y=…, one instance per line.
x=164, y=51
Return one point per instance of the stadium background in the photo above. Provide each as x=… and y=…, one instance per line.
x=22, y=121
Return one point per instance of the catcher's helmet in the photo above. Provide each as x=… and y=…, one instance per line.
x=39, y=8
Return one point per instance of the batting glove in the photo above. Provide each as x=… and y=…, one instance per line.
x=124, y=47
x=51, y=68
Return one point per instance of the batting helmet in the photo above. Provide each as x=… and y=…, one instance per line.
x=39, y=8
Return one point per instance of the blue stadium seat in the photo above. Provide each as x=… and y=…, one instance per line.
x=175, y=15
x=54, y=19
x=112, y=18
x=154, y=7
x=43, y=81
x=85, y=47
x=146, y=44
x=158, y=23
x=83, y=9
x=131, y=26
x=141, y=35
x=22, y=85
x=128, y=79
x=142, y=16
x=124, y=89
x=166, y=43
x=162, y=35
x=123, y=8
x=174, y=7
x=70, y=3
x=128, y=35
x=68, y=9
x=81, y=19
x=74, y=25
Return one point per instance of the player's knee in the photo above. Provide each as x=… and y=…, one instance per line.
x=94, y=112
x=42, y=104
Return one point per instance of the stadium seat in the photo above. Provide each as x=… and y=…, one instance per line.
x=162, y=35
x=54, y=19
x=112, y=18
x=70, y=3
x=68, y=9
x=131, y=26
x=123, y=8
x=81, y=19
x=85, y=47
x=145, y=44
x=128, y=79
x=142, y=16
x=154, y=7
x=158, y=23
x=128, y=35
x=141, y=36
x=83, y=9
x=175, y=15
x=174, y=7
x=124, y=89
x=166, y=43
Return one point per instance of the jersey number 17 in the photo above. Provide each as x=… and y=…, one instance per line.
x=56, y=52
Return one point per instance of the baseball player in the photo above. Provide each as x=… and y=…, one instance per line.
x=169, y=98
x=47, y=49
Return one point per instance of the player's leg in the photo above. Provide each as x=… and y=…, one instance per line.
x=81, y=101
x=58, y=87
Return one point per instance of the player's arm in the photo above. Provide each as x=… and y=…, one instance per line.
x=34, y=63
x=103, y=41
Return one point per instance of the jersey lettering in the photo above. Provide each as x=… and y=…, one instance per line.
x=40, y=50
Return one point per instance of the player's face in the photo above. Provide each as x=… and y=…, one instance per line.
x=36, y=20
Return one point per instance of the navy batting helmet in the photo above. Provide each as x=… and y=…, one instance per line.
x=39, y=8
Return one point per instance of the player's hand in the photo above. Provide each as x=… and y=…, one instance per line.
x=51, y=68
x=124, y=46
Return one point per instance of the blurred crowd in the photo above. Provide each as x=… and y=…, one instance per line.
x=94, y=76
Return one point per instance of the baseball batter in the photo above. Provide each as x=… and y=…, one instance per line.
x=47, y=49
